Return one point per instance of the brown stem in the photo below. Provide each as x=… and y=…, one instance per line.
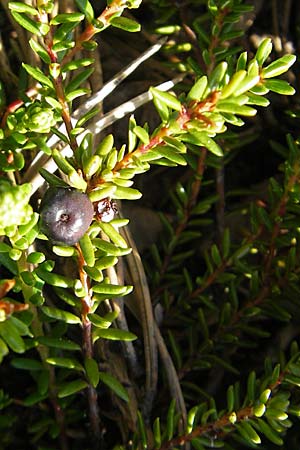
x=216, y=428
x=115, y=8
x=87, y=345
x=212, y=428
x=66, y=116
x=194, y=110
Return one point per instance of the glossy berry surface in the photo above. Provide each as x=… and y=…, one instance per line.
x=65, y=215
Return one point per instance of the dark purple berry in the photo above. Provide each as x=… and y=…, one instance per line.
x=65, y=214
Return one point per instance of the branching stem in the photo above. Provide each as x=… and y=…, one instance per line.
x=215, y=429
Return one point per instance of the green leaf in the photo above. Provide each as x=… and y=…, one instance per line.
x=150, y=155
x=280, y=87
x=94, y=273
x=176, y=143
x=197, y=91
x=203, y=324
x=259, y=410
x=269, y=432
x=109, y=248
x=59, y=314
x=27, y=23
x=113, y=234
x=265, y=395
x=113, y=334
x=62, y=46
x=233, y=84
x=67, y=297
x=26, y=364
x=67, y=363
x=162, y=110
x=87, y=250
x=24, y=229
x=126, y=193
x=86, y=8
x=105, y=262
x=215, y=254
x=11, y=336
x=278, y=67
x=34, y=398
x=248, y=83
x=3, y=350
x=105, y=146
x=63, y=250
x=4, y=248
x=111, y=289
x=67, y=17
x=114, y=385
x=54, y=279
x=22, y=8
x=171, y=420
x=170, y=153
x=102, y=322
x=257, y=100
x=235, y=108
x=292, y=379
x=168, y=99
x=92, y=371
x=242, y=61
x=142, y=134
x=217, y=75
x=77, y=81
x=125, y=24
x=157, y=433
x=21, y=327
x=61, y=343
x=77, y=93
x=277, y=414
x=259, y=89
x=202, y=139
x=88, y=115
x=123, y=182
x=38, y=75
x=111, y=159
x=76, y=64
x=71, y=388
x=248, y=432
x=142, y=433
x=253, y=68
x=263, y=51
x=101, y=193
x=40, y=50
x=251, y=385
x=75, y=179
x=92, y=166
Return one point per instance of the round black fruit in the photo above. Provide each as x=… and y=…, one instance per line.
x=65, y=215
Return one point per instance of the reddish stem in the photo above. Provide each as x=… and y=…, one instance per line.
x=115, y=8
